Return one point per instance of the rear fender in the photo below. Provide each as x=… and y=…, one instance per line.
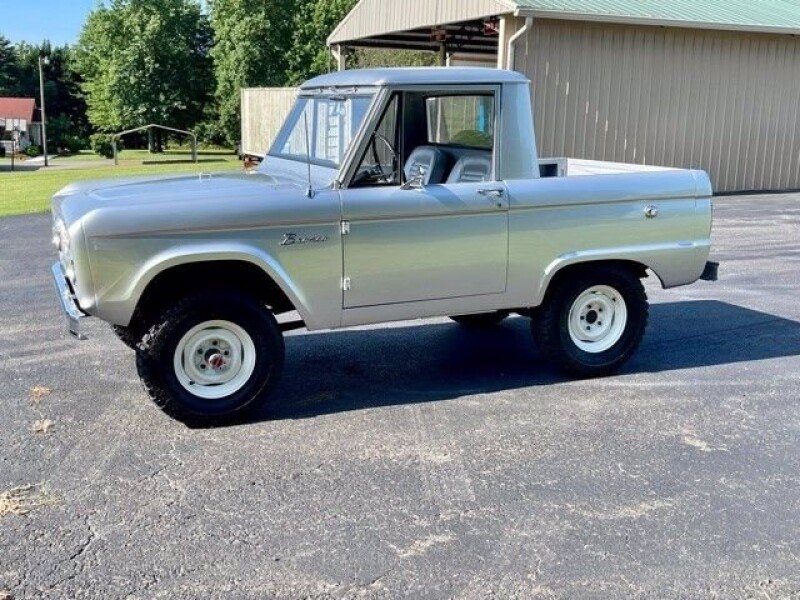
x=674, y=264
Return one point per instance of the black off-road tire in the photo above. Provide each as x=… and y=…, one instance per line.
x=481, y=319
x=155, y=355
x=549, y=322
x=127, y=336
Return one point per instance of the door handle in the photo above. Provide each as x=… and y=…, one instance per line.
x=491, y=192
x=494, y=195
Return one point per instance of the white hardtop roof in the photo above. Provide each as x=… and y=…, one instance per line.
x=414, y=76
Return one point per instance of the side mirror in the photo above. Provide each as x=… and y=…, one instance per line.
x=415, y=183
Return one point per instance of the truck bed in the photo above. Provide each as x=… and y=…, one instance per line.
x=574, y=167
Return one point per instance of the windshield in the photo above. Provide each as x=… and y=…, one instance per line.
x=332, y=123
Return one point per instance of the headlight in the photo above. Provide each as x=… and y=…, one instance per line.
x=61, y=238
x=69, y=272
x=62, y=243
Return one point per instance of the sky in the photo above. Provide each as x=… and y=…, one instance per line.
x=60, y=21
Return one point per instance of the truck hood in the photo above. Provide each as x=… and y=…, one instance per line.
x=78, y=199
x=146, y=206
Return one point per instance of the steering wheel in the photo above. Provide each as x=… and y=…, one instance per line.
x=386, y=177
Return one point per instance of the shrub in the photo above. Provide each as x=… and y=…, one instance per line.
x=2, y=151
x=101, y=144
x=210, y=133
x=33, y=151
x=71, y=144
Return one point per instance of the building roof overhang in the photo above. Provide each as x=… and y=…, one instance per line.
x=22, y=109
x=423, y=25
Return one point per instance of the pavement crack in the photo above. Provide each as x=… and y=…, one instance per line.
x=75, y=560
x=377, y=580
x=88, y=542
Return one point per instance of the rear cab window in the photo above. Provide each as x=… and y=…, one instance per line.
x=462, y=120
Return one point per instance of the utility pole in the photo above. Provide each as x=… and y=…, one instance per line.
x=14, y=137
x=46, y=61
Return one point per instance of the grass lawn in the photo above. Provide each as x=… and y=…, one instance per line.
x=23, y=192
x=179, y=153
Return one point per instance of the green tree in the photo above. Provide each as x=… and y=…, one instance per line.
x=8, y=64
x=145, y=61
x=314, y=21
x=383, y=57
x=251, y=45
x=66, y=108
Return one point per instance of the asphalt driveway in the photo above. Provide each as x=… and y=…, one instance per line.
x=420, y=459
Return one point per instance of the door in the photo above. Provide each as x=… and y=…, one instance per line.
x=435, y=240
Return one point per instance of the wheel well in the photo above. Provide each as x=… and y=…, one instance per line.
x=636, y=268
x=175, y=282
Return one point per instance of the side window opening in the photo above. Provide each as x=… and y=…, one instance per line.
x=381, y=161
x=439, y=138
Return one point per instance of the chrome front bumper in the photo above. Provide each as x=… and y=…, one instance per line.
x=69, y=304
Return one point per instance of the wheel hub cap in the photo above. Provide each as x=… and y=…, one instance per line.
x=597, y=319
x=214, y=359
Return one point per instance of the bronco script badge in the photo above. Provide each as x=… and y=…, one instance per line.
x=289, y=239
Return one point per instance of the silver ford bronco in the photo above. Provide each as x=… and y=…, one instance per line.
x=388, y=194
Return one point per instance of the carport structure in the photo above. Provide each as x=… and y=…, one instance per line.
x=709, y=84
x=149, y=128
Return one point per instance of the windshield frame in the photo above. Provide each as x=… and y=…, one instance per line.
x=296, y=114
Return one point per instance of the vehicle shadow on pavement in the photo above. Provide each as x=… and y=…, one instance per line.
x=337, y=371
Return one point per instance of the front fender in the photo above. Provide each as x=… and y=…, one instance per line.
x=118, y=301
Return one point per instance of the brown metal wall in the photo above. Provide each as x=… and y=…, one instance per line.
x=721, y=101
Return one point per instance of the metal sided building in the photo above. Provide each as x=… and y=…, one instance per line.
x=711, y=84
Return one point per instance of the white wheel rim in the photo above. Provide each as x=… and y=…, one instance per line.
x=597, y=319
x=215, y=359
